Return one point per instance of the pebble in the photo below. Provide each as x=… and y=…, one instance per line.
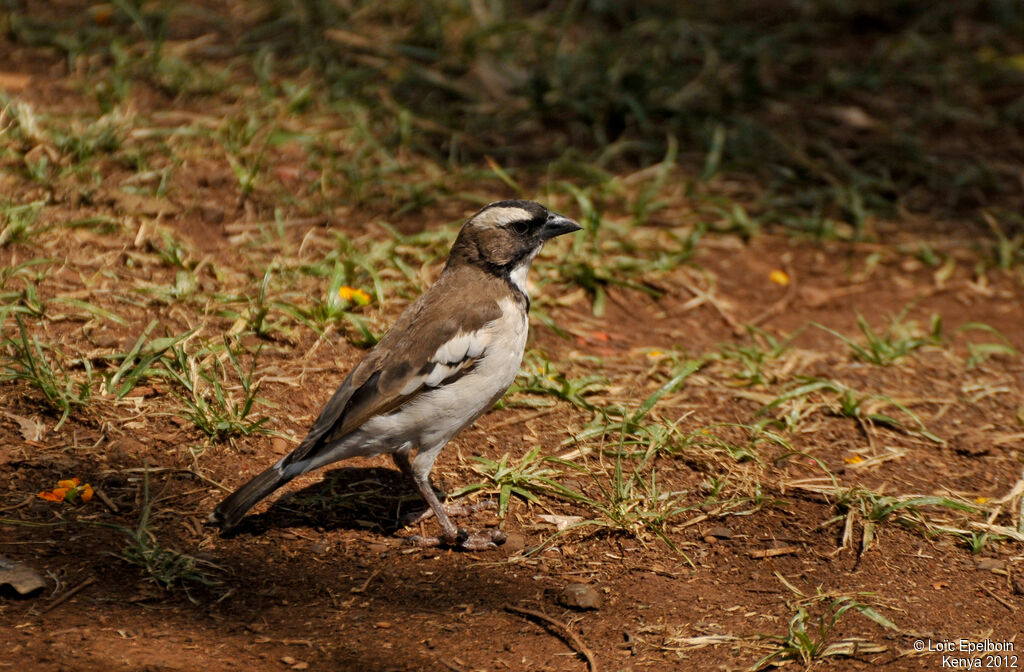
x=377, y=548
x=211, y=213
x=990, y=564
x=580, y=596
x=104, y=339
x=514, y=543
x=720, y=532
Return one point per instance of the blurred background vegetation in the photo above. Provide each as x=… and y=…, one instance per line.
x=830, y=113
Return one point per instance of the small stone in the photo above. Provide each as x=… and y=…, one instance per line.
x=709, y=539
x=300, y=666
x=1018, y=586
x=972, y=443
x=514, y=543
x=990, y=564
x=279, y=446
x=720, y=532
x=383, y=625
x=104, y=339
x=377, y=548
x=287, y=660
x=319, y=548
x=211, y=213
x=580, y=596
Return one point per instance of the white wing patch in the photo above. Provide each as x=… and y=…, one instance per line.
x=502, y=216
x=453, y=356
x=460, y=347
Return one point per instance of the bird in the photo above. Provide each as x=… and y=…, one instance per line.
x=447, y=359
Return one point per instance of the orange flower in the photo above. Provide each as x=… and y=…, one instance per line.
x=856, y=459
x=779, y=277
x=68, y=490
x=354, y=295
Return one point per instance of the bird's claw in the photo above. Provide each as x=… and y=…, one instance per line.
x=484, y=540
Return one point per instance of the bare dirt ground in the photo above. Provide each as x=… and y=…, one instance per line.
x=785, y=498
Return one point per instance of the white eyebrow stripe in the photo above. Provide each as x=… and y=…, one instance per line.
x=502, y=216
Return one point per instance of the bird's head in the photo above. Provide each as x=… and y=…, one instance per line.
x=507, y=235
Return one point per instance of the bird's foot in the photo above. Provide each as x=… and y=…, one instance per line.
x=453, y=509
x=484, y=540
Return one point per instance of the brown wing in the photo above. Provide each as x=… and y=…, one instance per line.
x=404, y=363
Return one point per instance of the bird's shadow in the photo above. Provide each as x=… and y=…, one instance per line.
x=351, y=498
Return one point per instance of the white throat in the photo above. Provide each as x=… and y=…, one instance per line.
x=519, y=273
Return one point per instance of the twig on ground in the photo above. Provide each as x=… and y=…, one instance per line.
x=708, y=297
x=998, y=599
x=561, y=630
x=107, y=502
x=362, y=589
x=68, y=595
x=772, y=552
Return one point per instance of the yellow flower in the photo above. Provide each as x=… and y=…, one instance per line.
x=856, y=459
x=779, y=277
x=654, y=353
x=980, y=500
x=353, y=294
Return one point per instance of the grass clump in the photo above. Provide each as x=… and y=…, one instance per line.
x=18, y=223
x=220, y=409
x=811, y=640
x=167, y=567
x=899, y=339
x=27, y=360
x=531, y=476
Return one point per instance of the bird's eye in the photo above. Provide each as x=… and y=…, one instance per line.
x=520, y=227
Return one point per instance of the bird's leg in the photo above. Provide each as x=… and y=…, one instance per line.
x=450, y=535
x=453, y=509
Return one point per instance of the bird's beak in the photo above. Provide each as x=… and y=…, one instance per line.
x=557, y=225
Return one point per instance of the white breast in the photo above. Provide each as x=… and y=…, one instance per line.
x=436, y=415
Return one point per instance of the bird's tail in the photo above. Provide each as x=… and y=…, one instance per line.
x=231, y=511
